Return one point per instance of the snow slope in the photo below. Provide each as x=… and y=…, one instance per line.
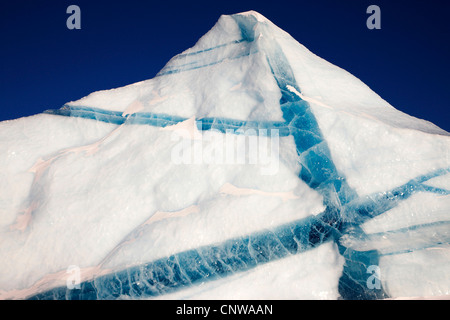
x=248, y=168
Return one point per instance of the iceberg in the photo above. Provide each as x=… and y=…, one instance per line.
x=247, y=168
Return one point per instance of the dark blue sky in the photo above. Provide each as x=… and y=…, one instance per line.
x=43, y=64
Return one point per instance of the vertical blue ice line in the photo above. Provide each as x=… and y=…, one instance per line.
x=317, y=168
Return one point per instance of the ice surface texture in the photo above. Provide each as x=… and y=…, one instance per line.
x=345, y=213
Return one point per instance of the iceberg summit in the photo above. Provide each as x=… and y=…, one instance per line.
x=247, y=168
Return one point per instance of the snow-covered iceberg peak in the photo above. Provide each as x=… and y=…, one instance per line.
x=228, y=69
x=130, y=190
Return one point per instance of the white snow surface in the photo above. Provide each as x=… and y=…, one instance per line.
x=104, y=197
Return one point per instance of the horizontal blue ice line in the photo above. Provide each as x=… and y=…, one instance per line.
x=115, y=117
x=436, y=241
x=182, y=55
x=410, y=228
x=411, y=250
x=172, y=65
x=225, y=125
x=202, y=264
x=164, y=72
x=189, y=54
x=364, y=208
